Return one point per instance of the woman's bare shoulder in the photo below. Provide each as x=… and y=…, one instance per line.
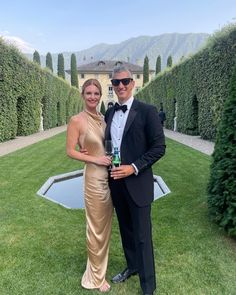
x=78, y=118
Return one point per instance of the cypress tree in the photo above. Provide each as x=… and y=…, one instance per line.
x=49, y=61
x=73, y=70
x=158, y=64
x=36, y=57
x=103, y=109
x=222, y=182
x=145, y=70
x=169, y=61
x=60, y=66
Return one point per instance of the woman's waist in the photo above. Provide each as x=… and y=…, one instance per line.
x=94, y=168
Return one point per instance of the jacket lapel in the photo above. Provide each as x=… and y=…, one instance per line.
x=109, y=120
x=131, y=116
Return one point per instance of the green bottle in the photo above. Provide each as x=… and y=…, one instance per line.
x=116, y=158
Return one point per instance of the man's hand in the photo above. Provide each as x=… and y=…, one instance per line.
x=122, y=171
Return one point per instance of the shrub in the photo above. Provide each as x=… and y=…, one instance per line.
x=222, y=183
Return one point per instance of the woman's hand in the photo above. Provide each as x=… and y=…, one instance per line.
x=103, y=161
x=84, y=151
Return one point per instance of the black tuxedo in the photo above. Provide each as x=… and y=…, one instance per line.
x=143, y=144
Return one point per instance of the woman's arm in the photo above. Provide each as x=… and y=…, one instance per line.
x=74, y=131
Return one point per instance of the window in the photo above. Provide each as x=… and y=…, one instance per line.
x=101, y=63
x=110, y=91
x=118, y=63
x=110, y=76
x=82, y=76
x=138, y=76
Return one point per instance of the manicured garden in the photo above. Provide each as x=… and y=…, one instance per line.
x=43, y=247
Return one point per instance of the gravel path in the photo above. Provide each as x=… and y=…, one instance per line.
x=204, y=146
x=23, y=141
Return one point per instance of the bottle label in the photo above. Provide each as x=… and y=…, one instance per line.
x=116, y=163
x=116, y=158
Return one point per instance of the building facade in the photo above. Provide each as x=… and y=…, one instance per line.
x=102, y=71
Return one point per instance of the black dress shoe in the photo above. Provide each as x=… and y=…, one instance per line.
x=123, y=276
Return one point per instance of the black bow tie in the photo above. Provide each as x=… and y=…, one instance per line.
x=120, y=107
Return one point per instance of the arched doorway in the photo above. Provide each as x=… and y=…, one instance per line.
x=110, y=104
x=20, y=115
x=58, y=114
x=195, y=109
x=175, y=115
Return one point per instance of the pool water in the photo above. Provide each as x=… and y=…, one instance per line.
x=67, y=189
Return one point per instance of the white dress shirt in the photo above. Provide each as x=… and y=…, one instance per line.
x=118, y=124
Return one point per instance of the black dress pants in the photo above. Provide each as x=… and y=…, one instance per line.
x=136, y=234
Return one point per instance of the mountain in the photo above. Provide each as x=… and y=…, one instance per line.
x=134, y=50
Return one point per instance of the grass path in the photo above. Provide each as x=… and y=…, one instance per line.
x=42, y=245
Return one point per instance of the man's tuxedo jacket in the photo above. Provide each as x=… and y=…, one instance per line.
x=143, y=143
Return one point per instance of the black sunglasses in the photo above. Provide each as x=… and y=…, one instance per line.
x=125, y=81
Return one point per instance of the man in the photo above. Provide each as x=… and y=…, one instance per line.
x=137, y=132
x=162, y=116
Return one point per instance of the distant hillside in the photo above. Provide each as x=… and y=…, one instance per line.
x=135, y=49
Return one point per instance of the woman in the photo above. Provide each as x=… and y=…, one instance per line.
x=87, y=131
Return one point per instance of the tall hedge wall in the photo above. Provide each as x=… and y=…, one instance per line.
x=222, y=181
x=197, y=87
x=25, y=90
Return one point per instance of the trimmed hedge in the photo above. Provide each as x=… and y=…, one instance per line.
x=222, y=183
x=25, y=89
x=197, y=87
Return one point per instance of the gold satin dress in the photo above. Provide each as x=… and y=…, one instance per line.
x=98, y=206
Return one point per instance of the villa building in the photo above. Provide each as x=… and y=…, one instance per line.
x=102, y=70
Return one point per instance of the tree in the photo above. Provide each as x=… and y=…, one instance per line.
x=169, y=61
x=158, y=64
x=73, y=71
x=60, y=66
x=36, y=57
x=49, y=61
x=103, y=109
x=145, y=70
x=222, y=184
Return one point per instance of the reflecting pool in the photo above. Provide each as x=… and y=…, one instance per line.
x=67, y=189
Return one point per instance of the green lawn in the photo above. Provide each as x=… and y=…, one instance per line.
x=42, y=245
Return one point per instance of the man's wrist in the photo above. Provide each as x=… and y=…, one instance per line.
x=135, y=169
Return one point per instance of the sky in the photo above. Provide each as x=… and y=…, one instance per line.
x=72, y=25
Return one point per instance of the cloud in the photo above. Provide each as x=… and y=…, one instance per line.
x=22, y=45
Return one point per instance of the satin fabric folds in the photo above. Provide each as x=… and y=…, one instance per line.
x=98, y=206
